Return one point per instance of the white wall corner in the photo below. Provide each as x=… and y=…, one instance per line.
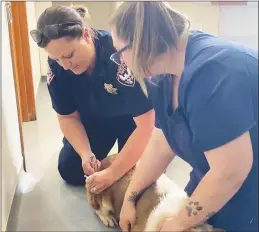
x=34, y=50
x=240, y=23
x=11, y=144
x=40, y=7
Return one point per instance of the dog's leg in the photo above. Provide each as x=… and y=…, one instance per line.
x=169, y=205
x=108, y=221
x=205, y=228
x=106, y=212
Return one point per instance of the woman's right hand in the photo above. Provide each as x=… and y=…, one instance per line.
x=90, y=164
x=127, y=215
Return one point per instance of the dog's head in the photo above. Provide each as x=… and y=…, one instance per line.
x=96, y=200
x=103, y=203
x=109, y=201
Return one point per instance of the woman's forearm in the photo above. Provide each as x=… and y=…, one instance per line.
x=154, y=161
x=135, y=145
x=75, y=133
x=131, y=152
x=213, y=192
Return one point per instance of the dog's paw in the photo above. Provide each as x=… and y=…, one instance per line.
x=205, y=228
x=108, y=220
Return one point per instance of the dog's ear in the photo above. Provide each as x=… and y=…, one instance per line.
x=106, y=162
x=93, y=200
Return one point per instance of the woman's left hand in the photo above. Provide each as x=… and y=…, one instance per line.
x=100, y=181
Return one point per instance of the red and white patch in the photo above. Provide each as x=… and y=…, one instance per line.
x=50, y=76
x=124, y=76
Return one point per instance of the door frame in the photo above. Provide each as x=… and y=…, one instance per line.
x=22, y=68
x=21, y=57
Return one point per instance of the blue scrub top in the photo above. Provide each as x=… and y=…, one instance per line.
x=218, y=101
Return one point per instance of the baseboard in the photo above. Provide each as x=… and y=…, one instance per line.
x=14, y=212
x=14, y=209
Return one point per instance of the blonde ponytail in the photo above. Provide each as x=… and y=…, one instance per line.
x=153, y=28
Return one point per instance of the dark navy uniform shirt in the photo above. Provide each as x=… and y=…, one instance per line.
x=110, y=91
x=218, y=101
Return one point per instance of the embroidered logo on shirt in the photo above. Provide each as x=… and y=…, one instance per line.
x=124, y=76
x=50, y=76
x=110, y=89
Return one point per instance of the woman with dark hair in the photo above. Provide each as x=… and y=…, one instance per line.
x=205, y=98
x=97, y=101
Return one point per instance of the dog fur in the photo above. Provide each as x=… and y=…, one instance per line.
x=161, y=200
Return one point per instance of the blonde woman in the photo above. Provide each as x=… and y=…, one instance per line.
x=205, y=99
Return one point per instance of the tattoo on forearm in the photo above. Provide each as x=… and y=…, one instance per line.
x=193, y=208
x=133, y=197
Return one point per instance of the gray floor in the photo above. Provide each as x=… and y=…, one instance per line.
x=53, y=205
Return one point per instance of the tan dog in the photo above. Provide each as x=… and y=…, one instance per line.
x=161, y=200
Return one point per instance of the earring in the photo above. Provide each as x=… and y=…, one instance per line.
x=86, y=35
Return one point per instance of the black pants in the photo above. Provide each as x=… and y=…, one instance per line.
x=102, y=137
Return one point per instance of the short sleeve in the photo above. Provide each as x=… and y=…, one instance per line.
x=137, y=102
x=156, y=92
x=219, y=107
x=60, y=91
x=157, y=123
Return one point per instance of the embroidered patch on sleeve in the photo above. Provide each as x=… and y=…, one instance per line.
x=50, y=76
x=124, y=76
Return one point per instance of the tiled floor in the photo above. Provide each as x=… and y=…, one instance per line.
x=53, y=205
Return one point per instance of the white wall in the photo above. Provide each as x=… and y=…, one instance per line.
x=40, y=7
x=34, y=50
x=100, y=12
x=240, y=23
x=11, y=145
x=203, y=16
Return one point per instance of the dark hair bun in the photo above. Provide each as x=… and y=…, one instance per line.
x=82, y=10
